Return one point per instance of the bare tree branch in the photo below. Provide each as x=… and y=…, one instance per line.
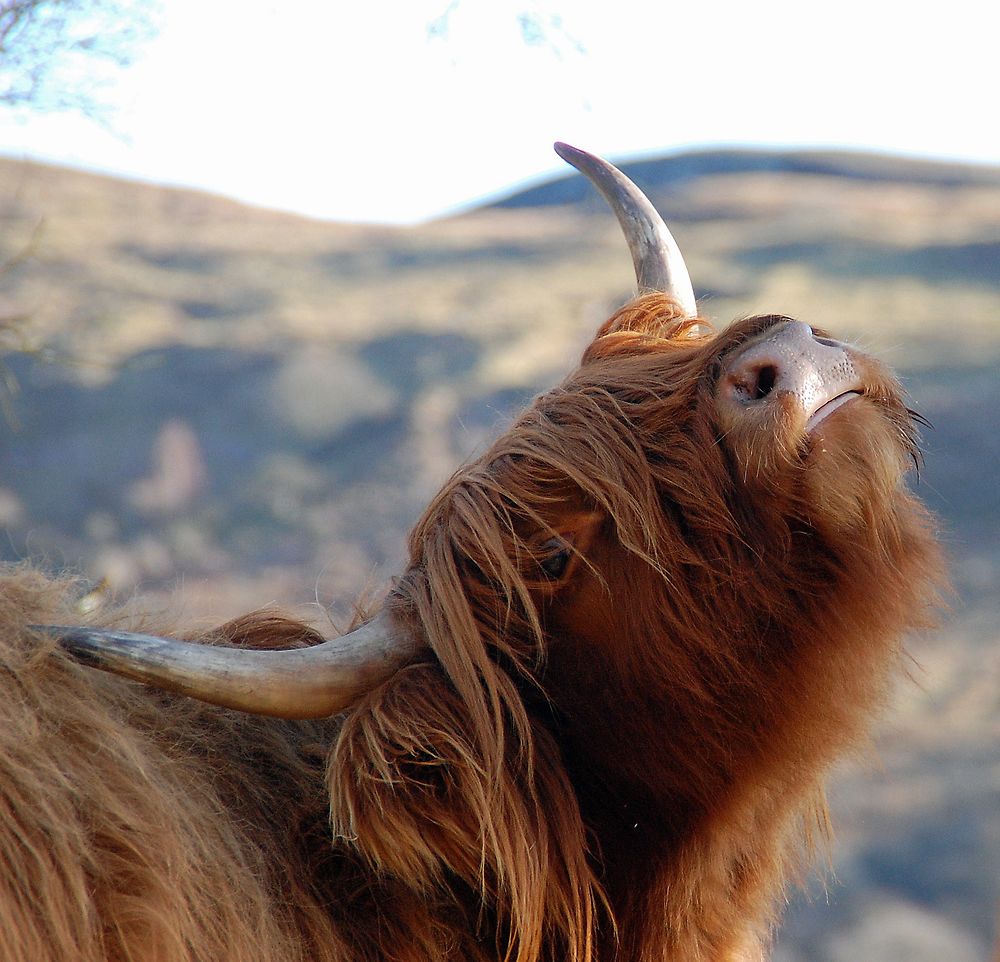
x=538, y=28
x=60, y=55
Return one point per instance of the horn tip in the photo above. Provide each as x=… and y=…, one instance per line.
x=566, y=151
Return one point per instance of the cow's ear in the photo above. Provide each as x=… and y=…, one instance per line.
x=558, y=552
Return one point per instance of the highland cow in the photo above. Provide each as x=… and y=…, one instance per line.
x=590, y=722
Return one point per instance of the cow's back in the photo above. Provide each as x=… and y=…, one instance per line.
x=137, y=826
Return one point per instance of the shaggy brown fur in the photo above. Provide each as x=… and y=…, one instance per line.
x=620, y=757
x=142, y=827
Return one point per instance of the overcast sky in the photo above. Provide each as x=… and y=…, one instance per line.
x=386, y=110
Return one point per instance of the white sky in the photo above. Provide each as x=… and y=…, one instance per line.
x=351, y=111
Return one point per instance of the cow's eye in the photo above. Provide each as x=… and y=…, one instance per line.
x=556, y=558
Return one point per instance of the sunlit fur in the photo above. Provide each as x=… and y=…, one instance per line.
x=623, y=760
x=139, y=827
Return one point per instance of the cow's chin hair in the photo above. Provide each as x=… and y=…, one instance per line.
x=854, y=463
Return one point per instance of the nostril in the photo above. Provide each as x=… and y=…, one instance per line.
x=767, y=377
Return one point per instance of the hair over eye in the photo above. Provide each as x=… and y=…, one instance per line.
x=556, y=558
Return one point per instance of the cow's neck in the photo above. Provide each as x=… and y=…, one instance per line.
x=643, y=857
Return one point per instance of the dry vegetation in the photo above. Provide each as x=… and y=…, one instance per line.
x=219, y=407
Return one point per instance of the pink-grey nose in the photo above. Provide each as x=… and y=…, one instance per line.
x=791, y=361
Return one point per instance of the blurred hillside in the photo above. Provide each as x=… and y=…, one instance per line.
x=219, y=407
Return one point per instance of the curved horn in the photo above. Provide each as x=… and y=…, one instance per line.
x=296, y=683
x=659, y=265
